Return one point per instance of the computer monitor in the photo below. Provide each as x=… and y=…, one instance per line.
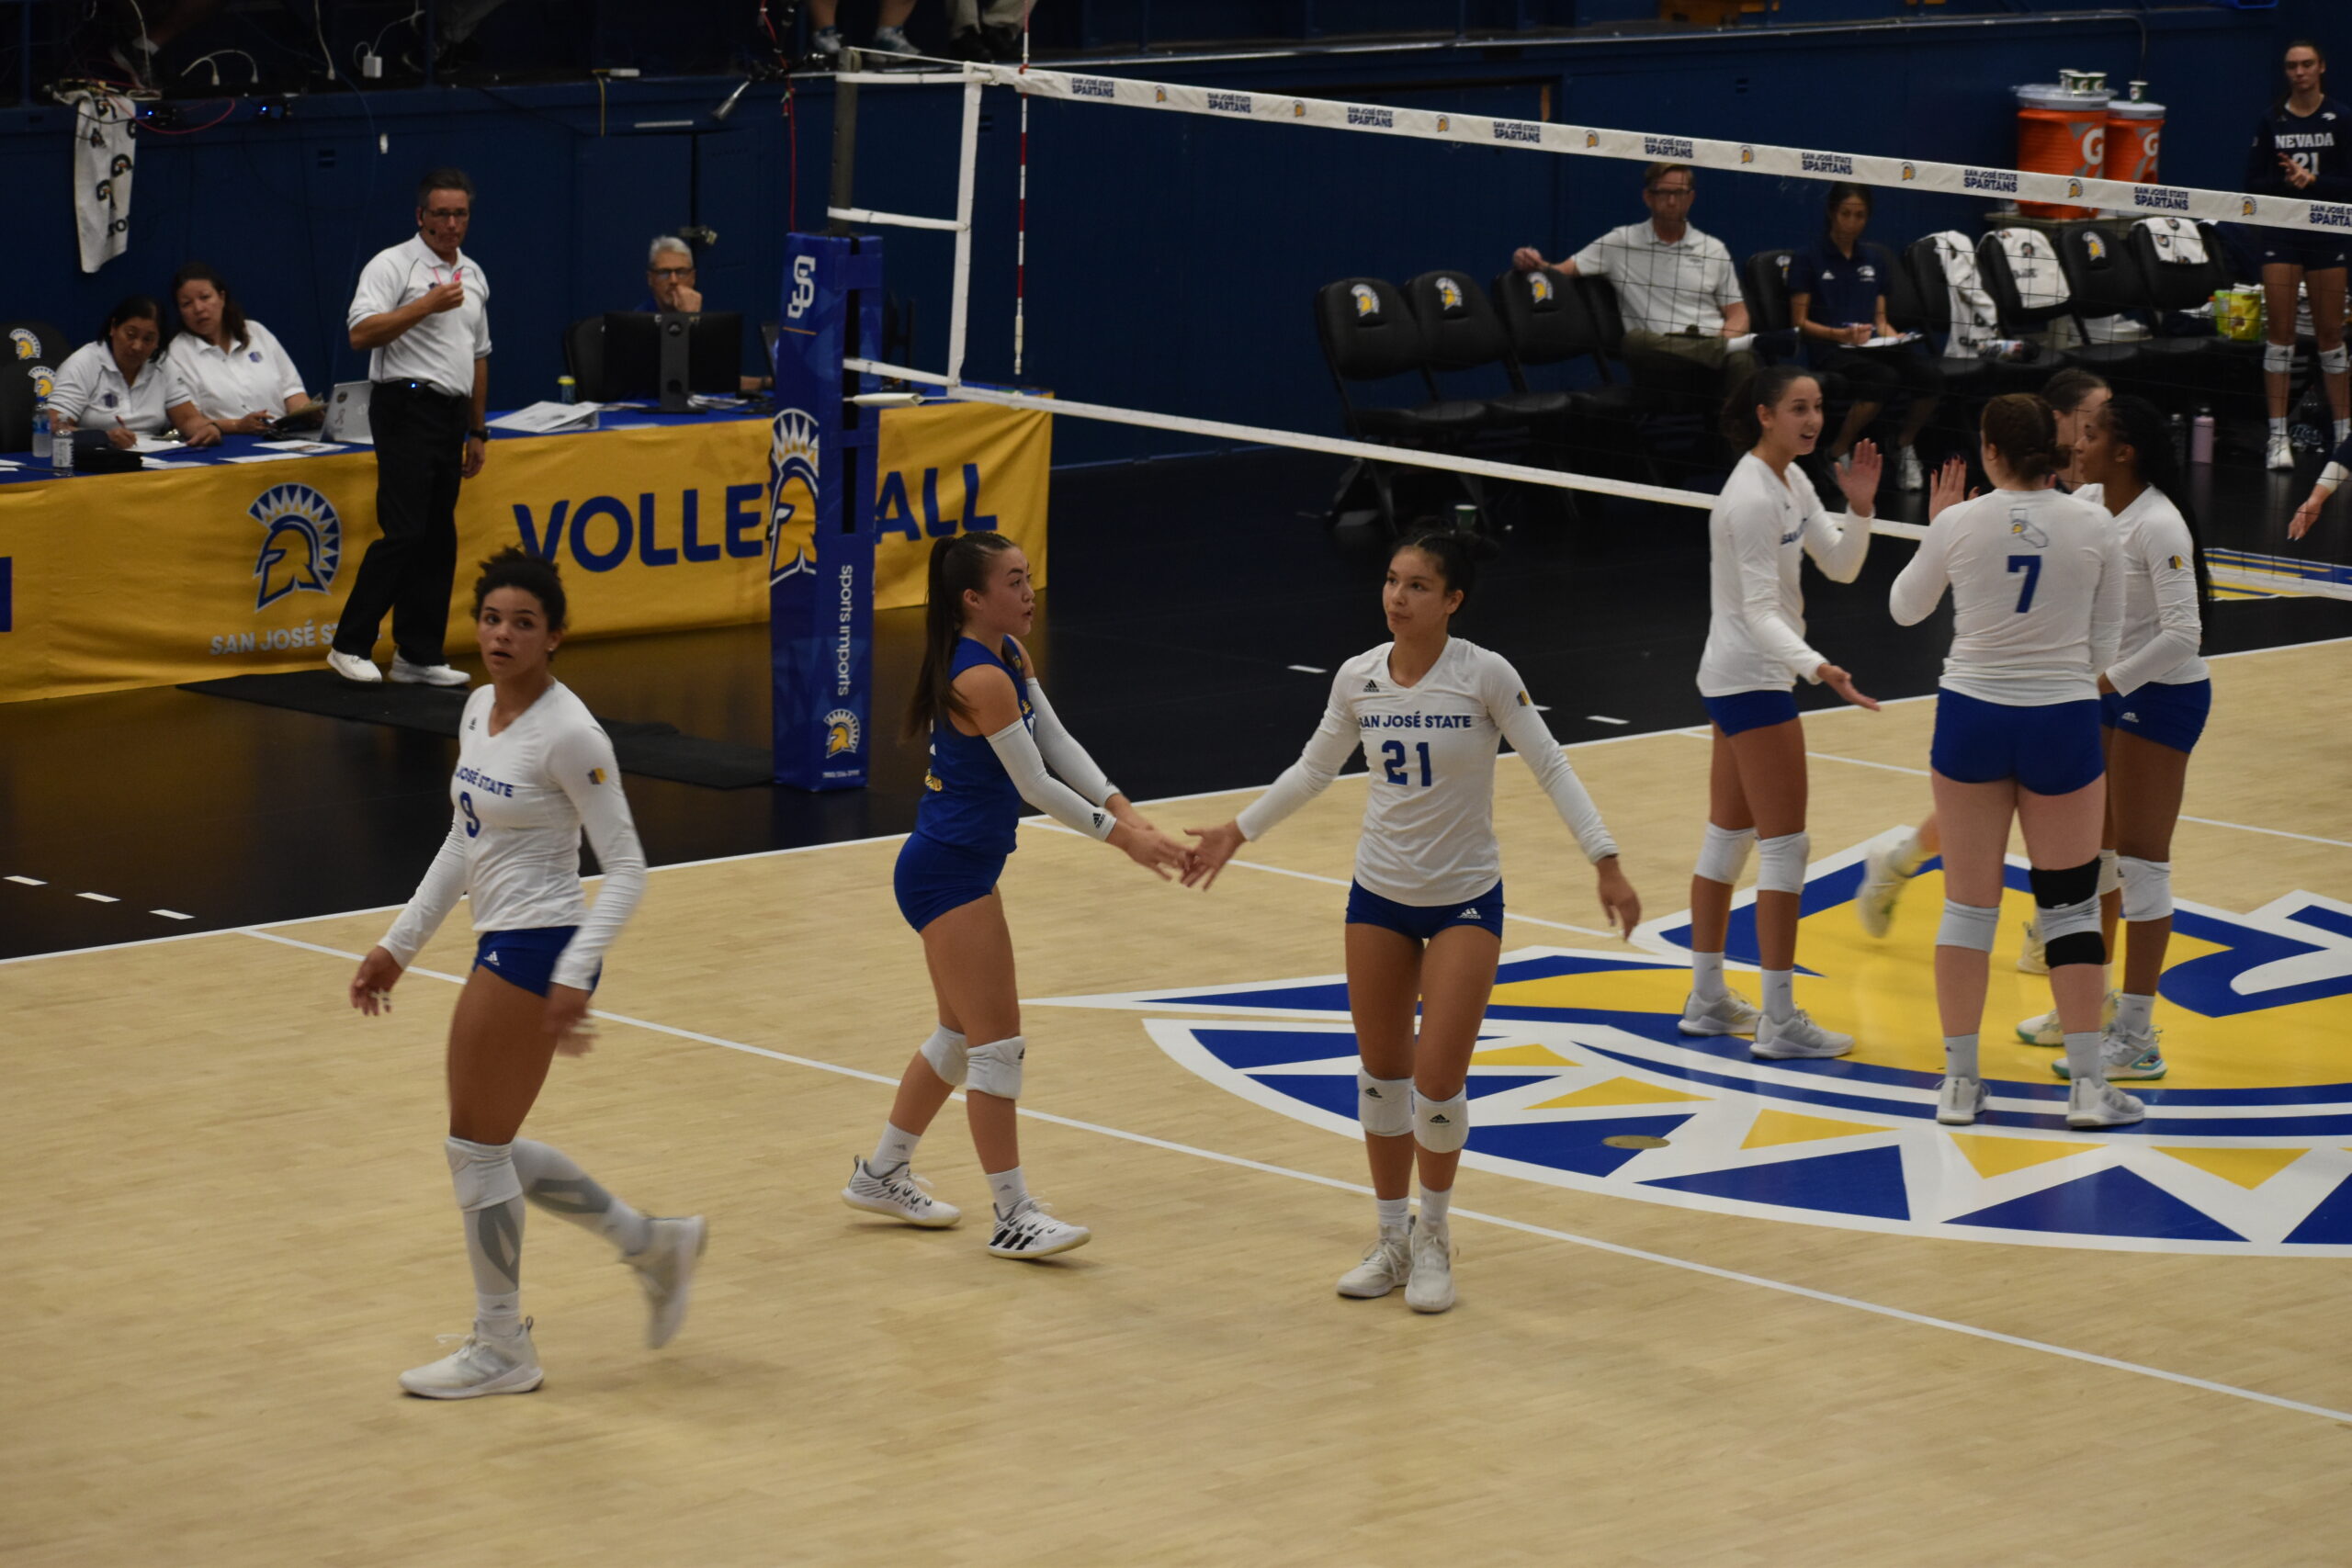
x=672, y=353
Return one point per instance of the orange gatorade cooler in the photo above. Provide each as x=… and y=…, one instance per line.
x=2134, y=127
x=2062, y=130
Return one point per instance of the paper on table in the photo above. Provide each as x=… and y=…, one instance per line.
x=301, y=449
x=545, y=419
x=1897, y=341
x=271, y=456
x=145, y=444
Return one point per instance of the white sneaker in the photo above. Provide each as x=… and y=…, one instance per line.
x=2279, y=453
x=666, y=1269
x=483, y=1364
x=1881, y=883
x=1960, y=1101
x=901, y=1194
x=2042, y=1028
x=1800, y=1036
x=1730, y=1013
x=352, y=667
x=1031, y=1231
x=1388, y=1263
x=1431, y=1287
x=406, y=674
x=2094, y=1102
x=1908, y=475
x=825, y=43
x=2122, y=1055
x=890, y=40
x=2032, y=958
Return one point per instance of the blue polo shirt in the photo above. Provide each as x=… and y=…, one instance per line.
x=1845, y=289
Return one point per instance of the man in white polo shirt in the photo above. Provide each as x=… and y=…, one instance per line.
x=1676, y=287
x=420, y=311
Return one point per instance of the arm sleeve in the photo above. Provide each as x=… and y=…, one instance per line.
x=1025, y=765
x=1593, y=260
x=1920, y=587
x=1804, y=273
x=2180, y=624
x=379, y=289
x=1837, y=542
x=1064, y=754
x=2262, y=173
x=445, y=880
x=180, y=387
x=1326, y=752
x=480, y=285
x=1514, y=714
x=289, y=380
x=581, y=760
x=69, y=393
x=1754, y=541
x=1726, y=291
x=2107, y=605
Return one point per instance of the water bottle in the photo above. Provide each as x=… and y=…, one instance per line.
x=2179, y=439
x=2201, y=440
x=567, y=389
x=41, y=433
x=60, y=447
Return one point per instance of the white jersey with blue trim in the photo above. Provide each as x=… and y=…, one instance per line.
x=1428, y=815
x=2163, y=622
x=2036, y=593
x=1757, y=532
x=522, y=798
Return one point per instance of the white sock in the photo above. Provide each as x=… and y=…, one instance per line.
x=1434, y=1206
x=1960, y=1057
x=2343, y=430
x=1009, y=1188
x=490, y=1200
x=1707, y=976
x=1910, y=857
x=2134, y=1015
x=2278, y=427
x=2082, y=1057
x=553, y=1181
x=896, y=1148
x=1780, y=994
x=1392, y=1212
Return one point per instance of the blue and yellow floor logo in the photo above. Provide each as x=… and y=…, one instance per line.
x=1583, y=1080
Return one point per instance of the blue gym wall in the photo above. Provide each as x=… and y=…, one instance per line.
x=1172, y=258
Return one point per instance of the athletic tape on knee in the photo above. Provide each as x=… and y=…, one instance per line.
x=1723, y=854
x=2067, y=902
x=2147, y=889
x=1384, y=1106
x=1441, y=1126
x=483, y=1174
x=2278, y=358
x=2111, y=872
x=1780, y=863
x=1968, y=925
x=995, y=1068
x=947, y=1054
x=2336, y=361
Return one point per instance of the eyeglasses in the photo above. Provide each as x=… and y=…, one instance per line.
x=1675, y=191
x=448, y=214
x=672, y=271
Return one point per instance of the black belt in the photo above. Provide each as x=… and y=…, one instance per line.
x=426, y=386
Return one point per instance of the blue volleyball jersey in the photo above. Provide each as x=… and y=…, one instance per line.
x=968, y=799
x=2320, y=141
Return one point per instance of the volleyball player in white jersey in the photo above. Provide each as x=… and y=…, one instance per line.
x=1425, y=914
x=2037, y=587
x=533, y=769
x=1766, y=520
x=2153, y=701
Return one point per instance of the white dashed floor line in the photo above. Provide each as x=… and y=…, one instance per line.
x=29, y=880
x=1307, y=669
x=171, y=914
x=99, y=897
x=1604, y=718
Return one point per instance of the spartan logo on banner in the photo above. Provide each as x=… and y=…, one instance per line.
x=792, y=496
x=301, y=544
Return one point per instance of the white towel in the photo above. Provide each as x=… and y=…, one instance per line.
x=103, y=124
x=2034, y=266
x=1974, y=322
x=2178, y=241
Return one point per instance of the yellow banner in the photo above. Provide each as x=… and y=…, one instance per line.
x=201, y=571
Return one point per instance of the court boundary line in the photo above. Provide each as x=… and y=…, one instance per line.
x=1528, y=1227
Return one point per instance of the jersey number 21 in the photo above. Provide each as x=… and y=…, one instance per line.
x=1391, y=754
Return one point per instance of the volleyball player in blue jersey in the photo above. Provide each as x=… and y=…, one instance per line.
x=2303, y=147
x=993, y=735
x=1425, y=914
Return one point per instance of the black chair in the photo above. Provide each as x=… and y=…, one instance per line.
x=2007, y=288
x=35, y=351
x=1919, y=300
x=2106, y=281
x=1369, y=334
x=584, y=357
x=2200, y=359
x=1549, y=323
x=1677, y=403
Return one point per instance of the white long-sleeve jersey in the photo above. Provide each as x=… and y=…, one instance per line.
x=522, y=798
x=1761, y=527
x=2163, y=624
x=2037, y=594
x=1428, y=815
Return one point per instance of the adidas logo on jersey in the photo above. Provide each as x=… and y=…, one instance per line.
x=1371, y=686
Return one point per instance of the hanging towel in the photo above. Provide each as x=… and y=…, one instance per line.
x=2034, y=266
x=2176, y=241
x=103, y=124
x=1973, y=324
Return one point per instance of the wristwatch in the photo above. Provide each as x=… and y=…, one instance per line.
x=479, y=433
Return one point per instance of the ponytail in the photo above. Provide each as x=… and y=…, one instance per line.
x=1763, y=389
x=959, y=563
x=2138, y=423
x=2023, y=430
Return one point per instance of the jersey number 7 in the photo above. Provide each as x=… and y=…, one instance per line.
x=2031, y=567
x=1392, y=752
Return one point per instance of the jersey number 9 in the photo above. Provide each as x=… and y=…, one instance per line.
x=1392, y=752
x=2031, y=567
x=473, y=821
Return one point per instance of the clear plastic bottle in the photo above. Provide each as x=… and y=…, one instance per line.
x=41, y=433
x=61, y=446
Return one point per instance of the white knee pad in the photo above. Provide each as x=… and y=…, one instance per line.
x=2147, y=889
x=1723, y=854
x=2111, y=872
x=1441, y=1126
x=2336, y=361
x=1384, y=1106
x=947, y=1054
x=2278, y=358
x=1780, y=863
x=995, y=1068
x=483, y=1174
x=1968, y=925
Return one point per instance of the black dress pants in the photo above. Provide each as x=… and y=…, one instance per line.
x=420, y=434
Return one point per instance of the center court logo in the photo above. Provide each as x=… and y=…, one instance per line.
x=1582, y=1080
x=301, y=543
x=792, y=495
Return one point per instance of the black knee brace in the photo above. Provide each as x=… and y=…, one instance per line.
x=2068, y=904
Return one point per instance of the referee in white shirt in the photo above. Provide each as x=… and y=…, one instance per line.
x=1675, y=285
x=420, y=310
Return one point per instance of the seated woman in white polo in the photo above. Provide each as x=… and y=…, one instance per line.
x=242, y=380
x=121, y=385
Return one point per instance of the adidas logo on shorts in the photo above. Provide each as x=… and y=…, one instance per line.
x=491, y=959
x=1469, y=914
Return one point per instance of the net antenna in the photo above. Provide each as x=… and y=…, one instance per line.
x=2231, y=569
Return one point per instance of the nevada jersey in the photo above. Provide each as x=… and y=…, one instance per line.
x=2320, y=141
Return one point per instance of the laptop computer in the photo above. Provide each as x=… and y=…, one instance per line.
x=347, y=412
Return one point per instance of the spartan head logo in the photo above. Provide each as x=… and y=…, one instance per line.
x=792, y=495
x=27, y=346
x=2246, y=206
x=1449, y=294
x=1297, y=109
x=842, y=730
x=44, y=380
x=1539, y=285
x=1746, y=154
x=1910, y=172
x=301, y=544
x=2074, y=186
x=1367, y=302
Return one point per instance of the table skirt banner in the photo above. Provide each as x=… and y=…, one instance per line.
x=206, y=570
